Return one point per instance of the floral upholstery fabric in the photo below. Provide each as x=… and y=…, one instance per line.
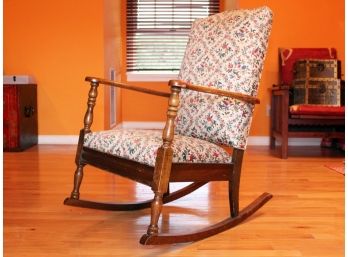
x=225, y=51
x=142, y=145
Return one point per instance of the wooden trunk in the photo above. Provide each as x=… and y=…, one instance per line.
x=316, y=68
x=317, y=91
x=20, y=117
x=288, y=57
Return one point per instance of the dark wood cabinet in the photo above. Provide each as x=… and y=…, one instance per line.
x=20, y=119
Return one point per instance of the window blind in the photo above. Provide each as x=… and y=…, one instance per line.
x=157, y=31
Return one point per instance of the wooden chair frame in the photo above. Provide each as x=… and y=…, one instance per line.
x=164, y=172
x=284, y=125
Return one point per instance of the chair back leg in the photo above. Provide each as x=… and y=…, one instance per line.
x=233, y=184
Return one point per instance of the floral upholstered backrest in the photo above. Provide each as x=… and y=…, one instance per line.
x=225, y=51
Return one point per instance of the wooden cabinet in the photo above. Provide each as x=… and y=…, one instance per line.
x=20, y=119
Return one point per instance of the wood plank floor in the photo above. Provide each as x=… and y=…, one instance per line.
x=305, y=217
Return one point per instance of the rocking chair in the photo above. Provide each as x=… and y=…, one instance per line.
x=211, y=104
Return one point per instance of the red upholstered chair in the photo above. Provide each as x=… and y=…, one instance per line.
x=211, y=104
x=302, y=121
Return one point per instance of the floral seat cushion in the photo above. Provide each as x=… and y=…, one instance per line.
x=141, y=146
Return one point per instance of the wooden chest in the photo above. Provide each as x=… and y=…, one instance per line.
x=20, y=117
x=317, y=91
x=317, y=68
x=288, y=57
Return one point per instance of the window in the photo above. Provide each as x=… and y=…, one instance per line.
x=157, y=32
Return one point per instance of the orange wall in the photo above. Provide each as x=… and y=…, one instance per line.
x=112, y=44
x=297, y=23
x=58, y=42
x=143, y=107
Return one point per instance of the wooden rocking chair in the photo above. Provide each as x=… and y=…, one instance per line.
x=210, y=104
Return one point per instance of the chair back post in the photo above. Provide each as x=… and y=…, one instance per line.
x=92, y=97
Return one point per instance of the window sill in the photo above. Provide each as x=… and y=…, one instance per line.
x=151, y=76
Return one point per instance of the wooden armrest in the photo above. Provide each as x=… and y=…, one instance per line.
x=125, y=86
x=215, y=91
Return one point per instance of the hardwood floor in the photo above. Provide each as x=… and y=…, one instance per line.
x=305, y=217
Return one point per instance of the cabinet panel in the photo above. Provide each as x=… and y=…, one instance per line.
x=20, y=117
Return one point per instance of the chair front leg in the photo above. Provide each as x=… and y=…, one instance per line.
x=161, y=183
x=75, y=194
x=164, y=161
x=78, y=176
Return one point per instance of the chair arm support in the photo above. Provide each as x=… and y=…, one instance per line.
x=165, y=151
x=92, y=98
x=126, y=86
x=215, y=91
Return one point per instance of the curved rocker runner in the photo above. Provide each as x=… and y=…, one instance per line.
x=209, y=231
x=132, y=206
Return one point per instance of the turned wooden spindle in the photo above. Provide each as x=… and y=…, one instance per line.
x=92, y=96
x=164, y=160
x=75, y=194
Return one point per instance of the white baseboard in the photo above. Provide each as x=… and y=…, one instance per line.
x=304, y=141
x=58, y=139
x=252, y=140
x=264, y=140
x=141, y=125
